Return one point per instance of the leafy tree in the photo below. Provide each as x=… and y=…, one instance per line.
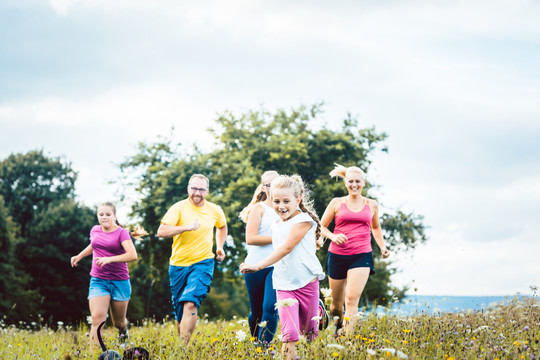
x=15, y=290
x=29, y=182
x=245, y=146
x=44, y=227
x=56, y=233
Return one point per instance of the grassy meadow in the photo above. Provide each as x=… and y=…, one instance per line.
x=511, y=331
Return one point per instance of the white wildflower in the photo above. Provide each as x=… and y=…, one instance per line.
x=371, y=352
x=242, y=322
x=262, y=324
x=241, y=335
x=335, y=318
x=326, y=292
x=335, y=346
x=395, y=352
x=286, y=303
x=481, y=328
x=89, y=320
x=60, y=323
x=316, y=318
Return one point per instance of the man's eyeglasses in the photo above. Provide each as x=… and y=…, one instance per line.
x=195, y=189
x=267, y=185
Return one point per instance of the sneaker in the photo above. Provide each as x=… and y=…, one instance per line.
x=324, y=317
x=339, y=329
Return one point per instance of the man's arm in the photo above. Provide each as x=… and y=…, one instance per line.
x=167, y=231
x=221, y=236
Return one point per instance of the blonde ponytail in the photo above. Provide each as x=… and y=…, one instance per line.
x=342, y=171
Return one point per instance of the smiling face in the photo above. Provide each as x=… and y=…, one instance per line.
x=106, y=217
x=197, y=191
x=285, y=203
x=354, y=181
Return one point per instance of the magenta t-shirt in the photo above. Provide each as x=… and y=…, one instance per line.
x=109, y=244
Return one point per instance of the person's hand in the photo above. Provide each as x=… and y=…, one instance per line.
x=100, y=261
x=339, y=239
x=75, y=261
x=248, y=268
x=385, y=253
x=320, y=243
x=194, y=225
x=220, y=254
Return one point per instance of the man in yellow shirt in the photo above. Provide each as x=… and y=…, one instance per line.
x=191, y=223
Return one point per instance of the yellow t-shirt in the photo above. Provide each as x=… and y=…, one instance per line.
x=191, y=247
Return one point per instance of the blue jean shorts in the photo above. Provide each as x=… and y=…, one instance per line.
x=190, y=283
x=118, y=290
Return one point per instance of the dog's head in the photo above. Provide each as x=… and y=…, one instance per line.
x=110, y=355
x=136, y=353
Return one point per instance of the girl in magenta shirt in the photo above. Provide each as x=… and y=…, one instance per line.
x=349, y=262
x=112, y=248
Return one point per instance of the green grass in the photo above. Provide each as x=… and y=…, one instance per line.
x=503, y=332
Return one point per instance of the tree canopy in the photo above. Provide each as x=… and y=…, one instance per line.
x=41, y=227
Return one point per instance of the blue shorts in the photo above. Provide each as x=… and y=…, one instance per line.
x=190, y=283
x=118, y=290
x=337, y=266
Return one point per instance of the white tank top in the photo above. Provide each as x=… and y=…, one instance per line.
x=256, y=253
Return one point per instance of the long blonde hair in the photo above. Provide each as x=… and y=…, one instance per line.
x=258, y=196
x=342, y=171
x=296, y=184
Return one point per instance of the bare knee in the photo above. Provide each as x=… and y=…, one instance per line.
x=190, y=308
x=98, y=318
x=120, y=324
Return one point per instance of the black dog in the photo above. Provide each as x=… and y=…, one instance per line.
x=136, y=353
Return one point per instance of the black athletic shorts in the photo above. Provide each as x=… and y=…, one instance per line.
x=338, y=265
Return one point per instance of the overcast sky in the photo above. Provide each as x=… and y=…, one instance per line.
x=455, y=85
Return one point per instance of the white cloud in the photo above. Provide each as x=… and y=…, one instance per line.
x=449, y=264
x=140, y=110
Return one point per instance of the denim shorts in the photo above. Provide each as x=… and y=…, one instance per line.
x=118, y=290
x=337, y=266
x=190, y=283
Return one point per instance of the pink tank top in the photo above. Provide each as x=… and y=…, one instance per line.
x=357, y=226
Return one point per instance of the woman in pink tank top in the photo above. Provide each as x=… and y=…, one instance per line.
x=349, y=261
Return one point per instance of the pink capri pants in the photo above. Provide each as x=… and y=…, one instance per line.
x=298, y=318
